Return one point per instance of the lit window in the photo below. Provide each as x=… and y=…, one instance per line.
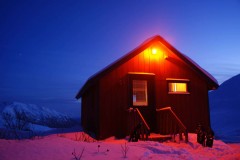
x=140, y=93
x=177, y=87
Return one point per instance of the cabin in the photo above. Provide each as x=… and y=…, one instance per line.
x=153, y=88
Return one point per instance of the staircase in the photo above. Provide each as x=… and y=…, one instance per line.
x=141, y=130
x=159, y=137
x=174, y=125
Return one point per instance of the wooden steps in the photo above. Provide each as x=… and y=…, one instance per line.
x=159, y=137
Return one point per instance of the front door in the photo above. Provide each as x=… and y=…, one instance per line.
x=142, y=96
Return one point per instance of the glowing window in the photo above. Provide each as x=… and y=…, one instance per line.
x=140, y=93
x=177, y=87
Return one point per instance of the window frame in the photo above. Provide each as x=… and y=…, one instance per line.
x=176, y=81
x=150, y=78
x=145, y=89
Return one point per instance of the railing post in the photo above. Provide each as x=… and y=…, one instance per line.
x=186, y=136
x=144, y=129
x=180, y=136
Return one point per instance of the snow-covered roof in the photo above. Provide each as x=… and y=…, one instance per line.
x=201, y=69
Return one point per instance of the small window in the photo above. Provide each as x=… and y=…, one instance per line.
x=140, y=93
x=178, y=88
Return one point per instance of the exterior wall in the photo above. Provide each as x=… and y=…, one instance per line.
x=90, y=110
x=114, y=97
x=113, y=104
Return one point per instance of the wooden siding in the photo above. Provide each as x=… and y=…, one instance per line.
x=106, y=101
x=114, y=92
x=90, y=110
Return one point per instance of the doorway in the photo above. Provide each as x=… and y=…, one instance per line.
x=142, y=95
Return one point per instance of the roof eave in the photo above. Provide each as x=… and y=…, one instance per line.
x=116, y=63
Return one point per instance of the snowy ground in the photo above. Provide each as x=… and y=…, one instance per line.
x=61, y=146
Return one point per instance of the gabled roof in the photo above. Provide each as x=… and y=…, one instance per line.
x=210, y=79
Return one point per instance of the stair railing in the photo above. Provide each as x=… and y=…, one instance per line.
x=144, y=130
x=183, y=128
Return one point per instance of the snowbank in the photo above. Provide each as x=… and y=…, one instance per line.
x=224, y=109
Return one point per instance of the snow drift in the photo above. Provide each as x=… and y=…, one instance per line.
x=225, y=109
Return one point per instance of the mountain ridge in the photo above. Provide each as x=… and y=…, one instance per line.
x=38, y=115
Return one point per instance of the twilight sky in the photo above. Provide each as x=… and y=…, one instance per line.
x=48, y=48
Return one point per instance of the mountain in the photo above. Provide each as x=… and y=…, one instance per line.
x=3, y=105
x=225, y=109
x=38, y=115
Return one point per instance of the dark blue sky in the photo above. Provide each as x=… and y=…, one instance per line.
x=49, y=48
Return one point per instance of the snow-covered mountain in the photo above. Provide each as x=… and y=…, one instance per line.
x=225, y=110
x=39, y=115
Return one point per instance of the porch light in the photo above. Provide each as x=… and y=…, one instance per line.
x=158, y=53
x=154, y=51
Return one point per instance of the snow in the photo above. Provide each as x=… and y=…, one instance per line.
x=61, y=146
x=38, y=114
x=224, y=109
x=36, y=127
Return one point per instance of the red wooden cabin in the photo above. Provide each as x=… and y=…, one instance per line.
x=139, y=86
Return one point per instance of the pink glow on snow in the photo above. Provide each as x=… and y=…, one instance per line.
x=61, y=146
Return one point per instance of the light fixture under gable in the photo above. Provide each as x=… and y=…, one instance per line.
x=154, y=50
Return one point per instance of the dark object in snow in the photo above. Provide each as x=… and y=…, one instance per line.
x=98, y=147
x=135, y=135
x=77, y=156
x=200, y=134
x=209, y=137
